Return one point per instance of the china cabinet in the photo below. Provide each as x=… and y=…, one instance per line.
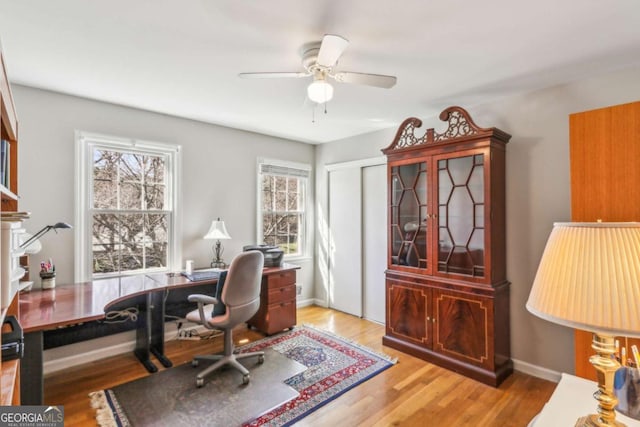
x=447, y=296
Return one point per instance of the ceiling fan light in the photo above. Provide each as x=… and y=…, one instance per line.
x=320, y=91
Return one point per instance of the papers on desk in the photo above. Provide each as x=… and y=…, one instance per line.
x=203, y=274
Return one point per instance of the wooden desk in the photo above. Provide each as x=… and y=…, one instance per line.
x=68, y=305
x=81, y=302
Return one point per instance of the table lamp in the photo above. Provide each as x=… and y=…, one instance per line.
x=589, y=278
x=219, y=232
x=42, y=232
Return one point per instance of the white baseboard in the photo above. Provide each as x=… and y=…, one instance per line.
x=536, y=371
x=304, y=302
x=321, y=302
x=71, y=355
x=68, y=356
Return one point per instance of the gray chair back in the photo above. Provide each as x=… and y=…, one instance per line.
x=241, y=291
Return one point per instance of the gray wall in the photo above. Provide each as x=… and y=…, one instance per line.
x=218, y=172
x=538, y=191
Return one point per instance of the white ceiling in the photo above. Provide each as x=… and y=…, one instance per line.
x=182, y=57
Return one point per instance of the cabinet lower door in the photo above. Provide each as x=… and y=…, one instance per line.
x=407, y=311
x=462, y=327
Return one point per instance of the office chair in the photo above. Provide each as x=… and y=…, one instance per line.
x=241, y=296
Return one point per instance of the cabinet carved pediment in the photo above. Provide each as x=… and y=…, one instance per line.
x=460, y=125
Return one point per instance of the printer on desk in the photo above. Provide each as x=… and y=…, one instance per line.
x=273, y=255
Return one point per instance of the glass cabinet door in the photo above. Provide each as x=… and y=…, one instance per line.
x=408, y=215
x=461, y=204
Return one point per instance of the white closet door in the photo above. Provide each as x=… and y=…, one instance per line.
x=374, y=241
x=345, y=237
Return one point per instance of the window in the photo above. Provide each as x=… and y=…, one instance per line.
x=282, y=204
x=126, y=206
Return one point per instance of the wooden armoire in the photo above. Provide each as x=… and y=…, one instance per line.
x=605, y=185
x=447, y=295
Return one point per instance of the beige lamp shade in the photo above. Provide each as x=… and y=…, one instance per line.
x=589, y=278
x=217, y=231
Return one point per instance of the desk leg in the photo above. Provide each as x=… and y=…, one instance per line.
x=31, y=370
x=143, y=334
x=157, y=328
x=150, y=332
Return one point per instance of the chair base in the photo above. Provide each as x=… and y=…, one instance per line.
x=223, y=360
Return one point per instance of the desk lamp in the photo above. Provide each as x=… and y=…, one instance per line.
x=219, y=232
x=42, y=232
x=589, y=278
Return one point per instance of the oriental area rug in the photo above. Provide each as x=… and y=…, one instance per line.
x=304, y=369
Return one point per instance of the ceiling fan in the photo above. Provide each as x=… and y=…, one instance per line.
x=319, y=60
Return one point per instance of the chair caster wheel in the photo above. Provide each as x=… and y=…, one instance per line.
x=260, y=360
x=199, y=382
x=194, y=363
x=245, y=379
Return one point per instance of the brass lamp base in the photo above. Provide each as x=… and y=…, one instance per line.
x=594, y=421
x=218, y=264
x=606, y=366
x=217, y=261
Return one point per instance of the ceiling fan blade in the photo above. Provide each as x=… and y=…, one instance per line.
x=273, y=75
x=331, y=48
x=377, y=80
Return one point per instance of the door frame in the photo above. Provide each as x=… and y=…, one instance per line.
x=362, y=163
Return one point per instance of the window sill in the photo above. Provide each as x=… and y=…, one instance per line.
x=298, y=259
x=124, y=274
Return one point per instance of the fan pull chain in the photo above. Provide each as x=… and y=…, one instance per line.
x=313, y=111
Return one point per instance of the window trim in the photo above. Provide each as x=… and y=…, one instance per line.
x=306, y=233
x=85, y=142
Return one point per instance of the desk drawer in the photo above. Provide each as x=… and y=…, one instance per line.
x=281, y=316
x=279, y=280
x=283, y=294
x=277, y=302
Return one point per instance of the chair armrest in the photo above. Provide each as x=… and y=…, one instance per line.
x=202, y=299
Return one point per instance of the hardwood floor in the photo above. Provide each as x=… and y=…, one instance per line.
x=413, y=392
